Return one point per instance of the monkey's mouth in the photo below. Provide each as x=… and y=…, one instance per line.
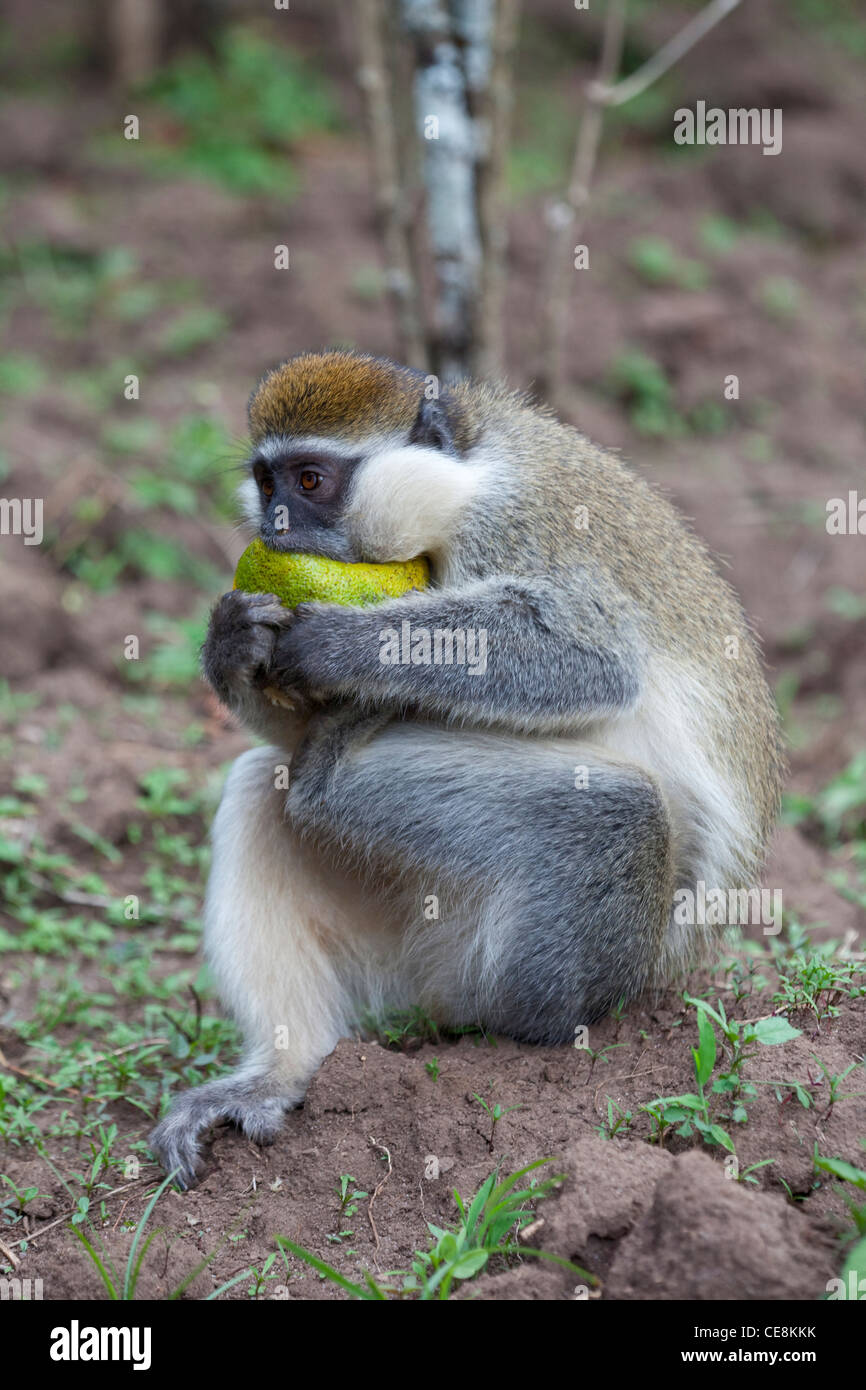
x=301, y=543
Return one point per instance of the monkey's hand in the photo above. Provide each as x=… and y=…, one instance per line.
x=240, y=642
x=500, y=652
x=237, y=656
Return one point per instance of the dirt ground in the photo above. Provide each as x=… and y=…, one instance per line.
x=781, y=302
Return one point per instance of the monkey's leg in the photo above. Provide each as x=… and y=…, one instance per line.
x=280, y=928
x=560, y=855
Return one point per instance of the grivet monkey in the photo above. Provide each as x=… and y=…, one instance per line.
x=499, y=842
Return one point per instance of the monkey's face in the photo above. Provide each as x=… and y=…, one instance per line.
x=351, y=460
x=296, y=495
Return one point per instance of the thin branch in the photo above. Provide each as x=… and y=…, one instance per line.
x=34, y=1235
x=492, y=219
x=134, y=32
x=10, y=1254
x=387, y=1153
x=563, y=217
x=391, y=197
x=75, y=898
x=662, y=61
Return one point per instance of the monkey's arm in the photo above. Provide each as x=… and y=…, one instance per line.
x=535, y=660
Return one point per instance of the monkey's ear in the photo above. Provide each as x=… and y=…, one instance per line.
x=433, y=427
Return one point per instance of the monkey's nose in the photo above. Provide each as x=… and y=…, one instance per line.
x=281, y=530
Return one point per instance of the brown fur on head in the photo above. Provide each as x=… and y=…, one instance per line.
x=335, y=393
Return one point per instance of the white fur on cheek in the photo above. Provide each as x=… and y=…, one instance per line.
x=408, y=501
x=251, y=507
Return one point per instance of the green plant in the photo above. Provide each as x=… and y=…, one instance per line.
x=618, y=1120
x=841, y=804
x=659, y=263
x=747, y=1174
x=837, y=22
x=845, y=604
x=349, y=1197
x=718, y=234
x=834, y=1081
x=692, y=1111
x=260, y=1277
x=20, y=375
x=122, y=1289
x=599, y=1054
x=489, y=1226
x=842, y=1169
x=744, y=977
x=159, y=798
x=817, y=980
x=856, y=1177
x=404, y=1029
x=495, y=1112
x=23, y=1197
x=781, y=297
x=239, y=110
x=641, y=382
x=192, y=328
x=432, y=1068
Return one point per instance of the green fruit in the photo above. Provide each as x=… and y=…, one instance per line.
x=298, y=578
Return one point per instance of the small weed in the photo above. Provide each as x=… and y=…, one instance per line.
x=619, y=1121
x=658, y=262
x=692, y=1111
x=748, y=1174
x=23, y=1196
x=260, y=1277
x=406, y=1029
x=856, y=1177
x=495, y=1112
x=349, y=1197
x=641, y=383
x=818, y=981
x=489, y=1226
x=121, y=1288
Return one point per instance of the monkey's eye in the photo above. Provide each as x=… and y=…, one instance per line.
x=267, y=486
x=310, y=480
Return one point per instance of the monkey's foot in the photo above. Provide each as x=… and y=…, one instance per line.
x=175, y=1140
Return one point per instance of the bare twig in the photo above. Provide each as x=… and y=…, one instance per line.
x=134, y=32
x=391, y=193
x=10, y=1254
x=564, y=217
x=119, y=1051
x=78, y=899
x=32, y=1075
x=71, y=1212
x=491, y=202
x=387, y=1153
x=80, y=1066
x=661, y=62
